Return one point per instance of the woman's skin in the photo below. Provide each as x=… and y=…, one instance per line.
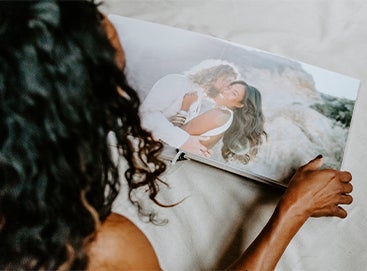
x=120, y=245
x=207, y=121
x=231, y=97
x=113, y=37
x=313, y=192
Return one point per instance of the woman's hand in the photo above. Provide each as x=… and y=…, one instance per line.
x=318, y=192
x=188, y=100
x=311, y=192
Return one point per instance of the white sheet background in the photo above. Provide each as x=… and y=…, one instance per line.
x=328, y=33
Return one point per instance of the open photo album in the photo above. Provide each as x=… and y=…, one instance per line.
x=234, y=107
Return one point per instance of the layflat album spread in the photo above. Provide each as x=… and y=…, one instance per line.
x=234, y=107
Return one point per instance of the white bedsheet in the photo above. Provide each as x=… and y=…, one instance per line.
x=224, y=213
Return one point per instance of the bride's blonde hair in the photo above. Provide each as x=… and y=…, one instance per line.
x=208, y=71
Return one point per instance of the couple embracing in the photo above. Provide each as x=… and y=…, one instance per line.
x=195, y=110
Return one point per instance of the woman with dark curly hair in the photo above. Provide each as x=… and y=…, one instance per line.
x=62, y=91
x=58, y=102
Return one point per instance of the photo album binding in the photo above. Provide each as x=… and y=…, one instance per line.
x=234, y=107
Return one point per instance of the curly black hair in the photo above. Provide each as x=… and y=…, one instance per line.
x=58, y=102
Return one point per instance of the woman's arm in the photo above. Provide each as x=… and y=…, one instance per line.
x=316, y=192
x=207, y=121
x=311, y=192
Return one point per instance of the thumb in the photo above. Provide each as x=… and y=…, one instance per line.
x=316, y=163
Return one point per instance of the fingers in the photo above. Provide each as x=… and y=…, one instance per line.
x=335, y=209
x=345, y=176
x=331, y=188
x=347, y=188
x=345, y=199
x=317, y=162
x=340, y=212
x=314, y=164
x=206, y=153
x=204, y=150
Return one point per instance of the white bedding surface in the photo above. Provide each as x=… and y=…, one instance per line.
x=224, y=213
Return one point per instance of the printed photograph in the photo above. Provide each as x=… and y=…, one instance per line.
x=238, y=106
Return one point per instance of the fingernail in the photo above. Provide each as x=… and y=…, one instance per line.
x=319, y=156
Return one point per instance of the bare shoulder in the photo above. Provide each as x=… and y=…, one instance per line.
x=113, y=37
x=120, y=245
